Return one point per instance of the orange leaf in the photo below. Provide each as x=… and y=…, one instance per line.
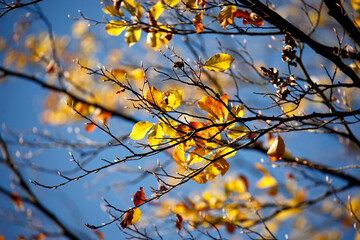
x=197, y=22
x=139, y=197
x=215, y=108
x=241, y=14
x=222, y=166
x=253, y=19
x=16, y=199
x=41, y=236
x=89, y=127
x=179, y=221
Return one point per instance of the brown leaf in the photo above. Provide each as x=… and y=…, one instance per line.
x=139, y=197
x=179, y=221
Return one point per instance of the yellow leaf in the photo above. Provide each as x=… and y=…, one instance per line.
x=222, y=166
x=112, y=11
x=167, y=101
x=131, y=217
x=224, y=152
x=200, y=178
x=193, y=4
x=215, y=108
x=218, y=63
x=172, y=99
x=197, y=155
x=115, y=28
x=226, y=16
x=267, y=180
x=133, y=8
x=237, y=111
x=219, y=166
x=277, y=149
x=139, y=130
x=153, y=39
x=355, y=4
x=132, y=35
x=235, y=185
x=156, y=10
x=197, y=22
x=237, y=132
x=171, y=3
x=179, y=158
x=155, y=136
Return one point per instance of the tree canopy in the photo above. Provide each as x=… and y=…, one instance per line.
x=185, y=119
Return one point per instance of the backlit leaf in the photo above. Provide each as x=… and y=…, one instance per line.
x=193, y=4
x=130, y=217
x=277, y=149
x=226, y=16
x=139, y=197
x=218, y=63
x=156, y=10
x=112, y=11
x=172, y=99
x=140, y=129
x=133, y=8
x=115, y=28
x=200, y=178
x=171, y=3
x=132, y=35
x=179, y=158
x=215, y=108
x=267, y=180
x=197, y=155
x=221, y=165
x=237, y=132
x=155, y=136
x=237, y=111
x=197, y=22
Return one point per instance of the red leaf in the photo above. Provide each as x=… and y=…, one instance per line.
x=127, y=219
x=241, y=14
x=179, y=221
x=139, y=197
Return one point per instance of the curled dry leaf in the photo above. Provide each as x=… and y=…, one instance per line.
x=277, y=149
x=139, y=197
x=130, y=217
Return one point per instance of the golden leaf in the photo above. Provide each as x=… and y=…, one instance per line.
x=215, y=108
x=140, y=129
x=200, y=178
x=132, y=35
x=277, y=149
x=197, y=22
x=115, y=28
x=226, y=16
x=219, y=62
x=237, y=132
x=155, y=136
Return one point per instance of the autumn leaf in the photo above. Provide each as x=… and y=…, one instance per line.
x=167, y=101
x=155, y=136
x=140, y=129
x=200, y=178
x=179, y=158
x=226, y=15
x=115, y=28
x=139, y=197
x=133, y=8
x=237, y=111
x=89, y=127
x=171, y=3
x=132, y=35
x=237, y=132
x=215, y=108
x=220, y=62
x=179, y=221
x=197, y=22
x=156, y=10
x=193, y=4
x=220, y=166
x=130, y=218
x=112, y=11
x=277, y=149
x=267, y=180
x=249, y=18
x=253, y=19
